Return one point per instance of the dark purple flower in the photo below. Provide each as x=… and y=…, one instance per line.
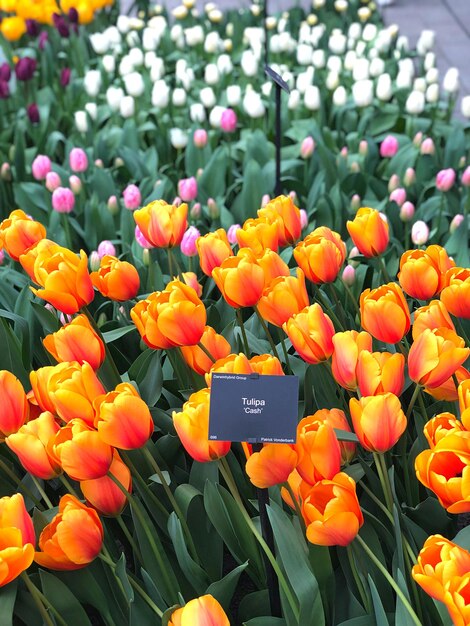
x=5, y=72
x=25, y=68
x=32, y=28
x=65, y=76
x=61, y=25
x=4, y=90
x=73, y=15
x=43, y=37
x=33, y=113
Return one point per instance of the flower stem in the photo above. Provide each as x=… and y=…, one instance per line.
x=27, y=492
x=129, y=537
x=243, y=332
x=268, y=334
x=339, y=308
x=108, y=356
x=284, y=350
x=44, y=495
x=43, y=604
x=357, y=578
x=206, y=351
x=390, y=580
x=384, y=481
x=383, y=267
x=414, y=397
x=296, y=504
x=68, y=486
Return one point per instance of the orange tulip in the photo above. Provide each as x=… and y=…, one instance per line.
x=213, y=249
x=283, y=297
x=63, y=276
x=321, y=255
x=17, y=538
x=192, y=426
x=445, y=470
x=337, y=420
x=283, y=212
x=384, y=313
x=172, y=317
x=422, y=272
x=14, y=407
x=198, y=360
x=203, y=611
x=464, y=402
x=117, y=280
x=347, y=347
x=266, y=364
x=457, y=599
x=123, y=419
x=456, y=293
x=240, y=280
x=231, y=364
x=30, y=446
x=331, y=512
x=77, y=341
x=162, y=224
x=380, y=372
x=311, y=332
x=19, y=232
x=296, y=484
x=80, y=451
x=73, y=539
x=440, y=426
x=448, y=390
x=272, y=465
x=369, y=232
x=103, y=494
x=318, y=449
x=435, y=356
x=378, y=421
x=272, y=264
x=258, y=234
x=433, y=315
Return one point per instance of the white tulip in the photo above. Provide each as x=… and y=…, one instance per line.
x=123, y=24
x=350, y=60
x=157, y=70
x=286, y=42
x=432, y=93
x=361, y=69
x=312, y=98
x=207, y=97
x=266, y=88
x=134, y=84
x=113, y=36
x=355, y=30
x=432, y=75
x=224, y=64
x=370, y=32
x=318, y=59
x=211, y=74
x=403, y=44
x=317, y=33
x=215, y=116
x=340, y=96
x=304, y=79
x=180, y=12
x=109, y=63
x=419, y=84
x=383, y=41
x=234, y=95
x=334, y=63
x=197, y=113
x=373, y=53
x=425, y=41
x=92, y=83
x=149, y=58
x=332, y=81
x=415, y=103
x=451, y=82
x=178, y=138
x=429, y=60
x=249, y=63
x=363, y=92
x=92, y=109
x=114, y=95
x=294, y=100
x=275, y=44
x=99, y=43
x=158, y=23
x=318, y=4
x=384, y=89
x=406, y=65
x=187, y=78
x=125, y=65
x=304, y=33
x=465, y=106
x=288, y=78
x=252, y=104
x=81, y=121
x=136, y=23
x=213, y=43
x=281, y=25
x=150, y=39
x=361, y=48
x=132, y=39
x=178, y=97
x=304, y=54
x=404, y=80
x=337, y=43
x=127, y=106
x=176, y=32
x=160, y=94
x=376, y=67
x=136, y=56
x=194, y=35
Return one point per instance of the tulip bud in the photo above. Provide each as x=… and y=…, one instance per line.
x=228, y=121
x=132, y=197
x=417, y=139
x=455, y=223
x=264, y=200
x=307, y=147
x=394, y=182
x=445, y=179
x=188, y=243
x=99, y=163
x=355, y=167
x=465, y=106
x=427, y=147
x=398, y=195
x=419, y=233
x=214, y=211
x=363, y=147
x=63, y=200
x=349, y=275
x=106, y=248
x=75, y=184
x=232, y=233
x=2, y=256
x=303, y=219
x=94, y=261
x=118, y=162
x=352, y=255
x=146, y=261
x=195, y=212
x=407, y=211
x=200, y=138
x=356, y=202
x=113, y=206
x=187, y=189
x=410, y=177
x=465, y=177
x=389, y=146
x=5, y=172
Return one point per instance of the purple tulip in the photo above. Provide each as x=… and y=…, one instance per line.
x=32, y=28
x=61, y=25
x=65, y=76
x=73, y=15
x=43, y=38
x=25, y=68
x=33, y=113
x=4, y=90
x=5, y=72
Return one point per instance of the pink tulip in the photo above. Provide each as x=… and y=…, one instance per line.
x=132, y=197
x=141, y=240
x=419, y=233
x=303, y=219
x=355, y=202
x=106, y=247
x=455, y=223
x=187, y=189
x=52, y=181
x=63, y=200
x=307, y=147
x=200, y=138
x=389, y=147
x=407, y=211
x=394, y=182
x=363, y=147
x=188, y=243
x=445, y=179
x=78, y=160
x=349, y=275
x=113, y=205
x=75, y=184
x=232, y=233
x=41, y=166
x=466, y=177
x=195, y=212
x=228, y=121
x=398, y=195
x=428, y=147
x=410, y=177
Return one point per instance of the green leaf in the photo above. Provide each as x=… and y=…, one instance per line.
x=111, y=335
x=266, y=621
x=345, y=435
x=223, y=589
x=194, y=573
x=147, y=373
x=122, y=575
x=63, y=600
x=380, y=615
x=10, y=355
x=462, y=538
x=7, y=603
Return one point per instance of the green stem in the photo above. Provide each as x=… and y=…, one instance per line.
x=170, y=263
x=66, y=227
x=357, y=578
x=44, y=495
x=414, y=397
x=383, y=477
x=383, y=267
x=339, y=308
x=353, y=300
x=129, y=538
x=284, y=350
x=68, y=486
x=242, y=329
x=390, y=580
x=206, y=351
x=226, y=473
x=323, y=303
x=267, y=333
x=27, y=492
x=43, y=604
x=296, y=505
x=136, y=475
x=378, y=502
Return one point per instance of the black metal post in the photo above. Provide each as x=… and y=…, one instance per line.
x=278, y=187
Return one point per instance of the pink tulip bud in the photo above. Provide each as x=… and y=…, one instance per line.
x=106, y=247
x=407, y=211
x=63, y=200
x=78, y=160
x=187, y=189
x=52, y=181
x=188, y=243
x=94, y=261
x=113, y=205
x=264, y=200
x=232, y=233
x=99, y=163
x=190, y=279
x=228, y=121
x=132, y=197
x=363, y=147
x=200, y=138
x=199, y=173
x=195, y=211
x=462, y=162
x=307, y=147
x=356, y=202
x=427, y=147
x=394, y=182
x=344, y=151
x=75, y=184
x=410, y=177
x=445, y=179
x=303, y=219
x=417, y=139
x=176, y=201
x=293, y=196
x=2, y=256
x=65, y=319
x=398, y=195
x=41, y=166
x=118, y=162
x=389, y=147
x=352, y=256
x=455, y=223
x=214, y=211
x=419, y=233
x=141, y=240
x=355, y=167
x=349, y=275
x=466, y=177
x=5, y=172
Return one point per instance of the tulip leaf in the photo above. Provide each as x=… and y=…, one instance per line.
x=63, y=600
x=122, y=575
x=11, y=357
x=363, y=620
x=266, y=621
x=402, y=617
x=7, y=603
x=345, y=435
x=211, y=184
x=194, y=573
x=379, y=611
x=462, y=538
x=141, y=613
x=223, y=589
x=111, y=335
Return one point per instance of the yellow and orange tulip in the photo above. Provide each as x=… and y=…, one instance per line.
x=115, y=279
x=17, y=538
x=213, y=249
x=348, y=345
x=283, y=297
x=380, y=372
x=162, y=224
x=272, y=465
x=240, y=280
x=369, y=232
x=321, y=255
x=203, y=611
x=384, y=313
x=14, y=406
x=311, y=333
x=76, y=341
x=456, y=293
x=378, y=421
x=19, y=232
x=421, y=274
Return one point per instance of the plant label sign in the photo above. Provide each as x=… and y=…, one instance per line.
x=253, y=408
